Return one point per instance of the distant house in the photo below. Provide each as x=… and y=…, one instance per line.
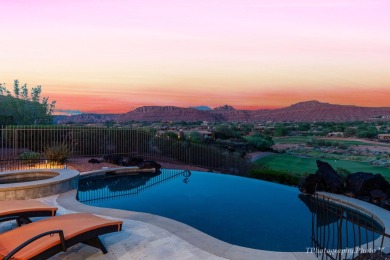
x=206, y=134
x=384, y=137
x=336, y=134
x=263, y=128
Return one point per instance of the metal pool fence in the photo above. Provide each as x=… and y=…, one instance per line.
x=99, y=141
x=339, y=232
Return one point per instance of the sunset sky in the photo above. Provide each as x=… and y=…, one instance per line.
x=111, y=56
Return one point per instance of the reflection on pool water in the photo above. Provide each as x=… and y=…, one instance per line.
x=241, y=211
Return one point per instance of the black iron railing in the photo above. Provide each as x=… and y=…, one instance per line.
x=99, y=141
x=339, y=232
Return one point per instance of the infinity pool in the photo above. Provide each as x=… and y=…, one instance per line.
x=241, y=211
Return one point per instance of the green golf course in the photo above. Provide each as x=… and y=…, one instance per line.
x=302, y=165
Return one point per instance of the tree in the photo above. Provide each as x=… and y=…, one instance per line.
x=280, y=131
x=225, y=131
x=349, y=131
x=304, y=126
x=170, y=135
x=367, y=132
x=260, y=141
x=246, y=128
x=195, y=137
x=25, y=109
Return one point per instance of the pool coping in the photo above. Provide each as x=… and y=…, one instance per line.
x=193, y=236
x=63, y=174
x=65, y=180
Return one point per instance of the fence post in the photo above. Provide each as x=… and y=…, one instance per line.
x=15, y=142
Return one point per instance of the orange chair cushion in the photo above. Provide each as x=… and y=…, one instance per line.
x=10, y=207
x=71, y=224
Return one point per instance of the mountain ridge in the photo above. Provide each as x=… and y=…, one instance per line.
x=307, y=111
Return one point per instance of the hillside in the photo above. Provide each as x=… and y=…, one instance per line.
x=308, y=111
x=167, y=113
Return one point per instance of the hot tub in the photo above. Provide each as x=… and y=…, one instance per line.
x=32, y=184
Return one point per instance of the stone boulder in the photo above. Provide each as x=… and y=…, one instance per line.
x=94, y=160
x=378, y=195
x=362, y=183
x=333, y=182
x=372, y=188
x=149, y=165
x=134, y=161
x=312, y=183
x=113, y=158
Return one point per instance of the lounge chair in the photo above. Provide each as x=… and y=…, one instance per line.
x=23, y=210
x=45, y=238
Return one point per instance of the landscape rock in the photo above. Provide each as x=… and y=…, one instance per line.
x=378, y=195
x=333, y=182
x=368, y=187
x=355, y=181
x=312, y=183
x=149, y=165
x=113, y=158
x=94, y=160
x=362, y=183
x=134, y=161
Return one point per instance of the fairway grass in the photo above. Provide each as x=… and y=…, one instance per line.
x=305, y=139
x=301, y=165
x=291, y=140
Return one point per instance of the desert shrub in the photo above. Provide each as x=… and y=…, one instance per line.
x=260, y=142
x=342, y=146
x=324, y=143
x=29, y=157
x=381, y=162
x=281, y=131
x=272, y=175
x=57, y=153
x=350, y=131
x=225, y=131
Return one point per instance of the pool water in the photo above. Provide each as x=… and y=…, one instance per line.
x=241, y=211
